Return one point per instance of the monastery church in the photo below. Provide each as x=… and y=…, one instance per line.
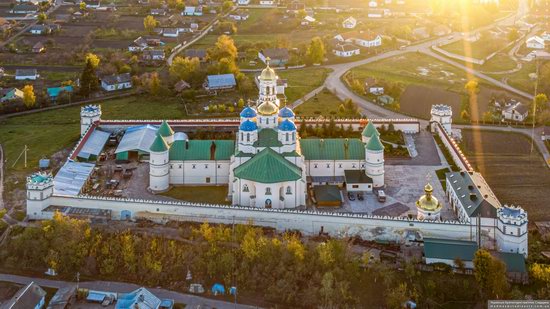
x=269, y=165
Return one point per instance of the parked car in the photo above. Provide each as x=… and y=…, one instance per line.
x=351, y=197
x=381, y=196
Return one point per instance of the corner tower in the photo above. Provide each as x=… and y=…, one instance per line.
x=39, y=189
x=374, y=160
x=512, y=229
x=442, y=114
x=88, y=115
x=159, y=167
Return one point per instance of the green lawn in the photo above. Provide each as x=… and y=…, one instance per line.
x=414, y=68
x=324, y=104
x=478, y=49
x=302, y=81
x=500, y=62
x=48, y=132
x=202, y=194
x=520, y=79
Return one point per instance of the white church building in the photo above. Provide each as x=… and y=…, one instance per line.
x=268, y=166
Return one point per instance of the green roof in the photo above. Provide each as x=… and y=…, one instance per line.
x=159, y=145
x=268, y=167
x=327, y=193
x=356, y=176
x=332, y=149
x=165, y=129
x=375, y=144
x=200, y=150
x=515, y=262
x=370, y=130
x=268, y=138
x=449, y=249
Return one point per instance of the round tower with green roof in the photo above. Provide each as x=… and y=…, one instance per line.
x=368, y=132
x=166, y=132
x=159, y=167
x=374, y=160
x=40, y=187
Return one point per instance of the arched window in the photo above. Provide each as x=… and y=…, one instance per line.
x=245, y=188
x=267, y=121
x=294, y=136
x=248, y=137
x=268, y=191
x=288, y=190
x=287, y=137
x=242, y=136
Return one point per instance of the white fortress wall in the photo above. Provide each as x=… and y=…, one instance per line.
x=309, y=223
x=458, y=157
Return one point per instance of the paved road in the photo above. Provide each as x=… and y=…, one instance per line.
x=192, y=301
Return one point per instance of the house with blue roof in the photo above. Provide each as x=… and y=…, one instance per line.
x=220, y=82
x=54, y=92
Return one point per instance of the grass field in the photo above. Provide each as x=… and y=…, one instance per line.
x=516, y=174
x=324, y=104
x=500, y=62
x=302, y=81
x=202, y=194
x=478, y=49
x=48, y=132
x=520, y=79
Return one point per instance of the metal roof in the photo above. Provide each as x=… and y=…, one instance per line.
x=268, y=138
x=138, y=299
x=27, y=297
x=138, y=138
x=515, y=262
x=55, y=91
x=223, y=80
x=268, y=167
x=94, y=144
x=356, y=176
x=201, y=150
x=332, y=149
x=71, y=177
x=474, y=193
x=117, y=79
x=449, y=249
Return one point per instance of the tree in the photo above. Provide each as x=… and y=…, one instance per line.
x=29, y=99
x=227, y=5
x=224, y=66
x=541, y=273
x=539, y=104
x=513, y=34
x=88, y=79
x=472, y=87
x=490, y=274
x=240, y=103
x=316, y=50
x=149, y=23
x=397, y=296
x=224, y=48
x=93, y=58
x=42, y=17
x=184, y=68
x=154, y=84
x=82, y=6
x=244, y=83
x=227, y=27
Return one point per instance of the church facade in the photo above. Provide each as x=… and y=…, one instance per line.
x=268, y=165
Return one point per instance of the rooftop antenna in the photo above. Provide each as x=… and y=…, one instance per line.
x=24, y=152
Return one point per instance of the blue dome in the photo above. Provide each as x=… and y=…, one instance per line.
x=286, y=112
x=248, y=125
x=248, y=112
x=287, y=125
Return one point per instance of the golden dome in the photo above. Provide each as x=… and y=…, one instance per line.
x=427, y=201
x=268, y=73
x=267, y=108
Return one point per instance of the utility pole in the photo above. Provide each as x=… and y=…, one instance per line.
x=77, y=281
x=25, y=150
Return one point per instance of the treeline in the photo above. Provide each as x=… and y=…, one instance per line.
x=279, y=269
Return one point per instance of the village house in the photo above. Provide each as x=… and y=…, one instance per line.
x=54, y=92
x=196, y=53
x=93, y=4
x=535, y=42
x=516, y=111
x=373, y=87
x=349, y=23
x=307, y=20
x=24, y=9
x=243, y=2
x=220, y=82
x=373, y=4
x=38, y=47
x=192, y=11
x=116, y=82
x=26, y=74
x=277, y=56
x=239, y=15
x=378, y=13
x=158, y=12
x=153, y=55
x=142, y=43
x=366, y=39
x=267, y=2
x=345, y=50
x=30, y=296
x=40, y=29
x=10, y=94
x=546, y=35
x=170, y=32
